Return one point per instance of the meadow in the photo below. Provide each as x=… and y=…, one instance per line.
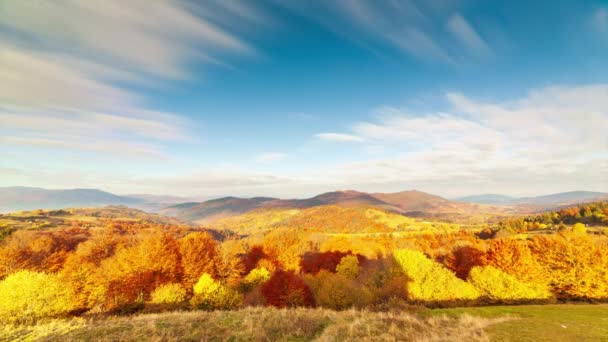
x=565, y=322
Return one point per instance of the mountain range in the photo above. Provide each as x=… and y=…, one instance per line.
x=552, y=200
x=410, y=203
x=29, y=198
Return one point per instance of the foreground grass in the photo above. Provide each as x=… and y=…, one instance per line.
x=496, y=323
x=260, y=324
x=560, y=322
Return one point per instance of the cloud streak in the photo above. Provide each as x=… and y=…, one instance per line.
x=466, y=34
x=68, y=68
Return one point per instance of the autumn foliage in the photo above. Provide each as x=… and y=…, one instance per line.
x=122, y=266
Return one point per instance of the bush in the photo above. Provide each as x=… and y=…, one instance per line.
x=338, y=292
x=256, y=277
x=430, y=282
x=169, y=294
x=579, y=228
x=286, y=289
x=500, y=286
x=210, y=294
x=26, y=296
x=348, y=267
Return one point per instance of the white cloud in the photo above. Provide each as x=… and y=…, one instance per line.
x=553, y=139
x=270, y=157
x=466, y=34
x=339, y=137
x=68, y=66
x=151, y=37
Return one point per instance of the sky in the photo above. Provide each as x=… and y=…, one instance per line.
x=293, y=98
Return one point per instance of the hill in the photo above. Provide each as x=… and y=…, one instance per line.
x=538, y=202
x=27, y=198
x=212, y=210
x=413, y=203
x=215, y=209
x=20, y=198
x=329, y=219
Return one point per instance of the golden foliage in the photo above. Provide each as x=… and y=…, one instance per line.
x=430, y=281
x=503, y=287
x=338, y=292
x=169, y=294
x=26, y=296
x=210, y=294
x=348, y=266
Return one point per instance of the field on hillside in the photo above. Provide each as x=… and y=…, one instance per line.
x=564, y=322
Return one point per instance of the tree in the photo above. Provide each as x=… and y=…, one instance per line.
x=430, y=281
x=169, y=294
x=286, y=289
x=199, y=254
x=348, y=267
x=338, y=292
x=503, y=287
x=209, y=294
x=27, y=296
x=134, y=272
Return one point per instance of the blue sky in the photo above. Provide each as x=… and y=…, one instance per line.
x=293, y=98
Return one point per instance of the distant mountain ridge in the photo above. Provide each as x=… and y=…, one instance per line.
x=28, y=198
x=18, y=198
x=413, y=202
x=545, y=201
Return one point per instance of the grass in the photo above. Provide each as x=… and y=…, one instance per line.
x=259, y=324
x=562, y=322
x=559, y=322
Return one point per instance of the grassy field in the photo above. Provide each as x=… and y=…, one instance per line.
x=561, y=322
x=498, y=323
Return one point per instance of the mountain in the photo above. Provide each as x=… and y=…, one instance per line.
x=563, y=198
x=415, y=203
x=215, y=209
x=27, y=198
x=487, y=199
x=538, y=202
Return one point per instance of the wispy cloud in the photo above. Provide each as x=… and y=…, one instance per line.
x=68, y=67
x=409, y=26
x=466, y=34
x=270, y=157
x=339, y=137
x=421, y=45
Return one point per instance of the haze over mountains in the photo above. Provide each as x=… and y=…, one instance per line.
x=410, y=203
x=30, y=198
x=558, y=199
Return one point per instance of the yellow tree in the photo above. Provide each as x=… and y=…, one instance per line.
x=199, y=254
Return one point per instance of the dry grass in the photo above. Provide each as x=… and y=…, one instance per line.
x=260, y=324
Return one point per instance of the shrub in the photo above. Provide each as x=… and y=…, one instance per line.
x=286, y=289
x=348, y=267
x=169, y=294
x=338, y=292
x=579, y=228
x=256, y=277
x=500, y=286
x=430, y=281
x=26, y=296
x=210, y=294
